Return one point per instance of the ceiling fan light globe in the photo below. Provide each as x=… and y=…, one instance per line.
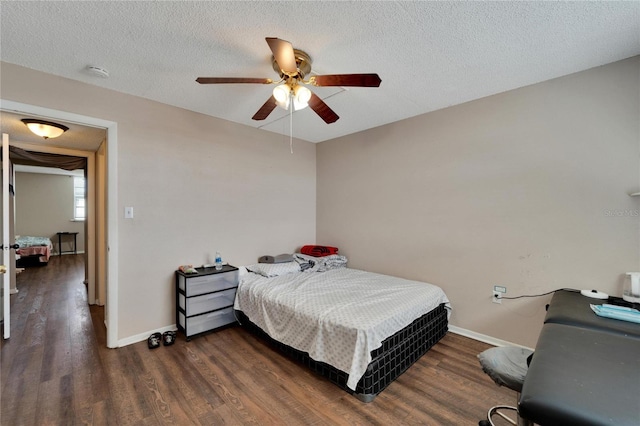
x=281, y=93
x=284, y=105
x=302, y=95
x=299, y=105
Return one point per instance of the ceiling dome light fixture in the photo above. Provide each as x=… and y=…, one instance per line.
x=46, y=129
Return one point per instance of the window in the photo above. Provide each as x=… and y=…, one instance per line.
x=79, y=202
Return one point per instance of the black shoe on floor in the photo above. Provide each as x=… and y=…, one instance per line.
x=154, y=340
x=168, y=338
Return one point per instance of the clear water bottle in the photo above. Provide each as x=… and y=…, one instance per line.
x=218, y=261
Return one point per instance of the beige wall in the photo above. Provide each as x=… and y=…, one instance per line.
x=197, y=184
x=526, y=189
x=44, y=206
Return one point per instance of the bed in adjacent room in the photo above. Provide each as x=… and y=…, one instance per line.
x=360, y=329
x=34, y=250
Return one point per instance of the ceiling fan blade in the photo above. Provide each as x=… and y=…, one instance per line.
x=358, y=80
x=322, y=109
x=225, y=80
x=265, y=109
x=283, y=52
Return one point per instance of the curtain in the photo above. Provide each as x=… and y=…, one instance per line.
x=29, y=158
x=42, y=159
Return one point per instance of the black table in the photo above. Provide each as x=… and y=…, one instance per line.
x=75, y=236
x=572, y=308
x=585, y=369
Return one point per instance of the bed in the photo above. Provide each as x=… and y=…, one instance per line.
x=33, y=250
x=359, y=329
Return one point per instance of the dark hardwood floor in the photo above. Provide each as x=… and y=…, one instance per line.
x=56, y=370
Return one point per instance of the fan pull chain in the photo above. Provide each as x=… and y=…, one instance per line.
x=291, y=124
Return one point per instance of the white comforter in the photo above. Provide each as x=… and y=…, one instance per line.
x=338, y=316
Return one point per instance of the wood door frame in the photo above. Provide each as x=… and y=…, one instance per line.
x=111, y=255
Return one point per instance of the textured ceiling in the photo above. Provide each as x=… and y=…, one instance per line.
x=429, y=55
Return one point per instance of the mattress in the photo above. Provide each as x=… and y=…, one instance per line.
x=339, y=317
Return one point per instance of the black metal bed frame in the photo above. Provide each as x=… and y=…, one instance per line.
x=396, y=354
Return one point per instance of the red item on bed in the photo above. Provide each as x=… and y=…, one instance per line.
x=318, y=251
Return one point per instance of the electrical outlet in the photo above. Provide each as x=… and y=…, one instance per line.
x=497, y=297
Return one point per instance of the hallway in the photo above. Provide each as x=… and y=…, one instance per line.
x=50, y=365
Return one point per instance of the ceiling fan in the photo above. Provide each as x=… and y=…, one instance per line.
x=293, y=65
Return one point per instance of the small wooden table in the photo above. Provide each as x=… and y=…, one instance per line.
x=75, y=242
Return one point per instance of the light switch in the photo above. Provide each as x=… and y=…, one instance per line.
x=128, y=212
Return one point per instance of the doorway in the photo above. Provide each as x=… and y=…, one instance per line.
x=106, y=255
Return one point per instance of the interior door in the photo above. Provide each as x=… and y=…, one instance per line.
x=6, y=242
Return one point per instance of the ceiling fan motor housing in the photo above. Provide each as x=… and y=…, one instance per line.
x=303, y=63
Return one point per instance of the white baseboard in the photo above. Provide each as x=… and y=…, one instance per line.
x=452, y=328
x=144, y=336
x=483, y=337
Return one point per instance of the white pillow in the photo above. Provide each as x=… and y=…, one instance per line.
x=274, y=269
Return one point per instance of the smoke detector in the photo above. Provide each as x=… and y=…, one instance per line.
x=97, y=71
